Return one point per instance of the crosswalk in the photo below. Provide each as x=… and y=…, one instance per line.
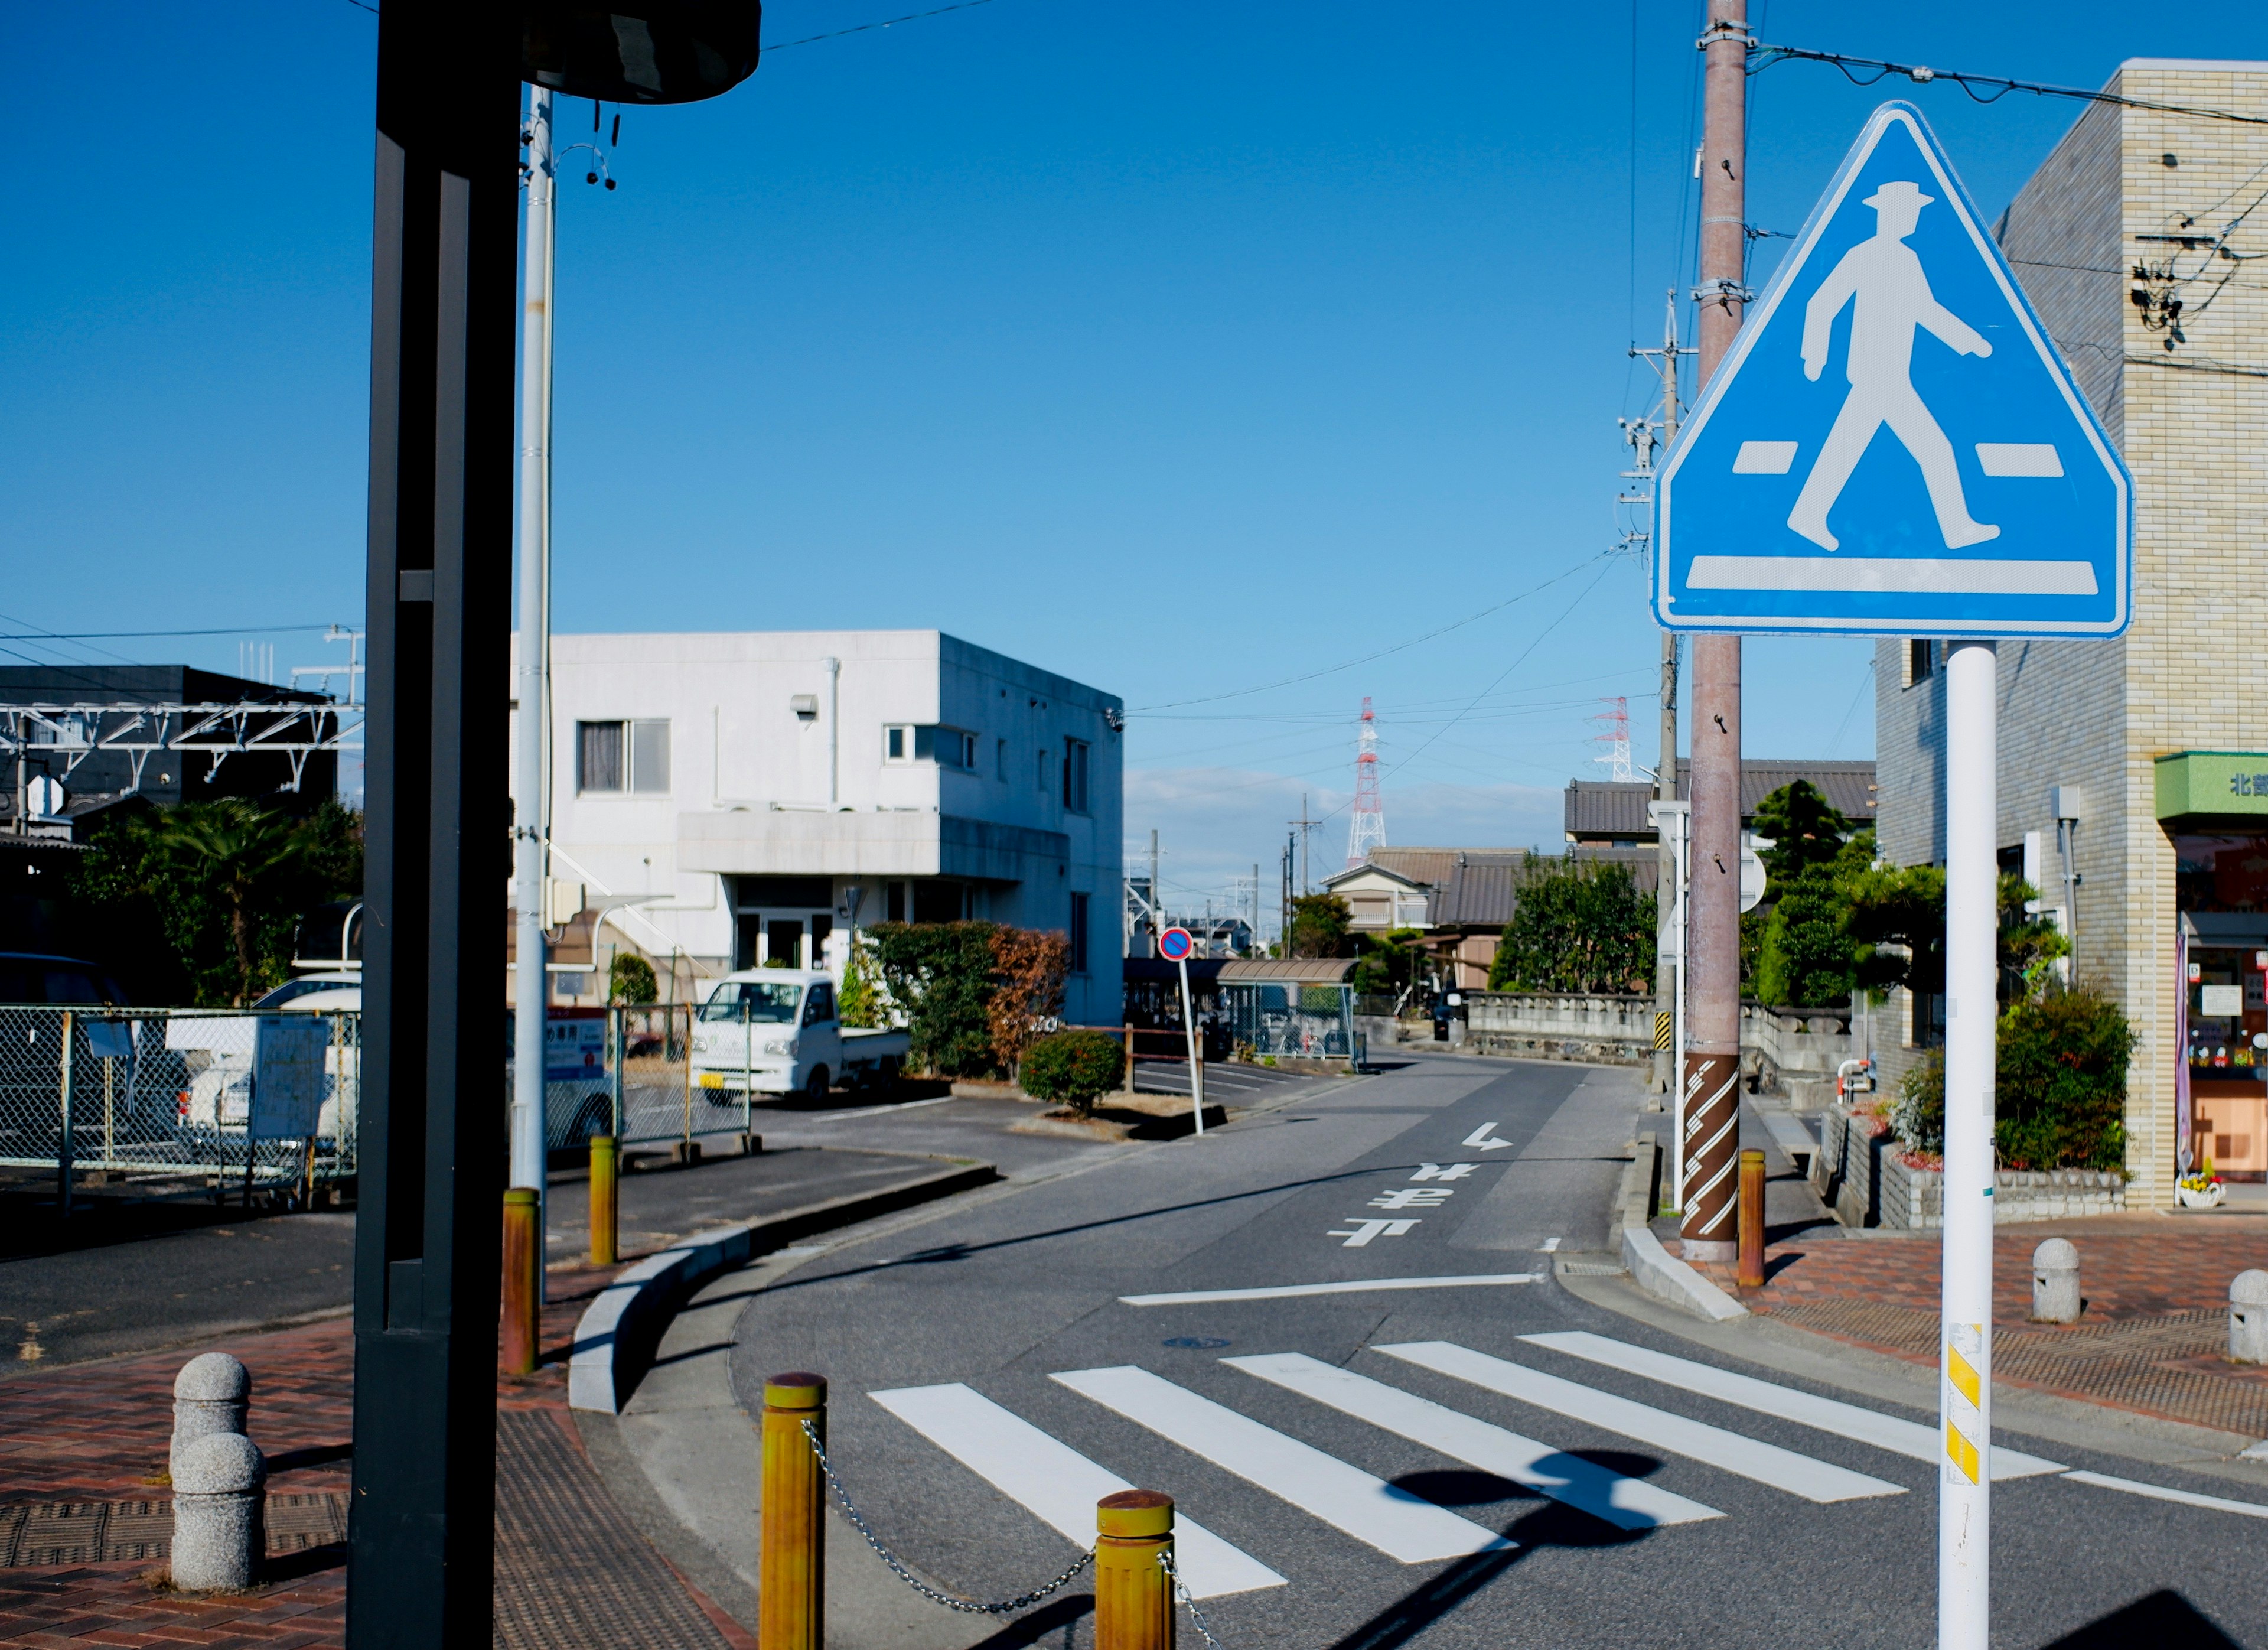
x=1059, y=1485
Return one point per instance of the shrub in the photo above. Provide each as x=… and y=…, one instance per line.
x=1072, y=1068
x=2058, y=1086
x=861, y=998
x=1577, y=926
x=1806, y=960
x=940, y=976
x=630, y=982
x=1028, y=988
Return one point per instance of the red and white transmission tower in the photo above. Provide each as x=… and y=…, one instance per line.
x=1367, y=829
x=1616, y=739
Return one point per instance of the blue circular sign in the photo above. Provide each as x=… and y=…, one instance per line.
x=1175, y=945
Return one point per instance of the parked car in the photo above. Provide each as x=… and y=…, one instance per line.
x=777, y=1031
x=216, y=1054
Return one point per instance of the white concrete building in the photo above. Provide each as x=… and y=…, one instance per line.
x=730, y=799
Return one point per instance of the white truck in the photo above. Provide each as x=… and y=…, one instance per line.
x=777, y=1031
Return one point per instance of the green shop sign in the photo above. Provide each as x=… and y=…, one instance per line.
x=2204, y=786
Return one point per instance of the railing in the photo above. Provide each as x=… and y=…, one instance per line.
x=240, y=1097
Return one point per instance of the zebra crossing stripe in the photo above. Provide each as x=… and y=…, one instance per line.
x=1626, y=1502
x=1910, y=1438
x=1813, y=1479
x=1399, y=1524
x=1055, y=1483
x=2160, y=1493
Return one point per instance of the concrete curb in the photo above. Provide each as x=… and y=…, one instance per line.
x=1663, y=1275
x=614, y=1341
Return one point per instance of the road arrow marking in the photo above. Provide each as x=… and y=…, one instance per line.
x=1480, y=1140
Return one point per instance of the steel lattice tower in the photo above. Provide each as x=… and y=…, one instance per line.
x=1616, y=739
x=1367, y=829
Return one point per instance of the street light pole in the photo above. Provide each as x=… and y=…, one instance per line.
x=531, y=981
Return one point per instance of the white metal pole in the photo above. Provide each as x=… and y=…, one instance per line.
x=1965, y=1345
x=1677, y=1031
x=531, y=988
x=834, y=732
x=1190, y=1026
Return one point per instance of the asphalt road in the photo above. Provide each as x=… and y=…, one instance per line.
x=989, y=1375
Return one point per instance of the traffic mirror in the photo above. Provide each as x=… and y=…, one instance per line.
x=639, y=51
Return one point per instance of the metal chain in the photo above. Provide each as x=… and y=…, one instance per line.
x=949, y=1600
x=1166, y=1563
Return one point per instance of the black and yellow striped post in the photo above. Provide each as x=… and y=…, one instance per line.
x=791, y=1535
x=1664, y=1029
x=1133, y=1595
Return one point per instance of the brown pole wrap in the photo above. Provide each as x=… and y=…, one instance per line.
x=1711, y=1130
x=1133, y=1596
x=606, y=1204
x=516, y=1351
x=1752, y=1219
x=790, y=1547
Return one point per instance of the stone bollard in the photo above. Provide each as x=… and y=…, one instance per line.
x=220, y=1524
x=2055, y=1283
x=212, y=1393
x=2247, y=1317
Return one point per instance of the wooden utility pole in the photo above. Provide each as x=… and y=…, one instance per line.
x=1711, y=1107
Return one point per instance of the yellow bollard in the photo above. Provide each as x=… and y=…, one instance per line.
x=791, y=1550
x=605, y=1207
x=521, y=1330
x=1133, y=1597
x=1749, y=1222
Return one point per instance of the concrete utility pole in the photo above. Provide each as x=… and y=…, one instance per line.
x=532, y=988
x=1665, y=781
x=1711, y=1104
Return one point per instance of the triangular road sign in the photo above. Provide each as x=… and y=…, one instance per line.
x=1894, y=446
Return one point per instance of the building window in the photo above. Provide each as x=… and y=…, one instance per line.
x=622, y=756
x=1077, y=936
x=1921, y=662
x=1000, y=758
x=1075, y=753
x=1039, y=759
x=938, y=902
x=956, y=750
x=894, y=903
x=897, y=744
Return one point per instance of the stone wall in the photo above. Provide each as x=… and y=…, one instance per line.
x=1781, y=1050
x=1861, y=1177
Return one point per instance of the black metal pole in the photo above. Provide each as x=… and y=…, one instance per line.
x=432, y=1115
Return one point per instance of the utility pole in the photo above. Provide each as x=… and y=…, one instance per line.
x=532, y=992
x=1157, y=904
x=1665, y=780
x=1709, y=1115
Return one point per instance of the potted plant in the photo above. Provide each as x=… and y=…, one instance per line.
x=2201, y=1191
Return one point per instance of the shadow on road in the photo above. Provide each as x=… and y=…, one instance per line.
x=2164, y=1620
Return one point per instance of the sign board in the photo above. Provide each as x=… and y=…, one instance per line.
x=288, y=1077
x=1893, y=446
x=574, y=1044
x=1175, y=945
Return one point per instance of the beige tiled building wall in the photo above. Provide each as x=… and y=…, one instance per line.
x=2122, y=190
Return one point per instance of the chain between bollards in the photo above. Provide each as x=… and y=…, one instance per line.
x=1181, y=1592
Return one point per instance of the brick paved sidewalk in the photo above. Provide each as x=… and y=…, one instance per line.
x=84, y=1516
x=2153, y=1338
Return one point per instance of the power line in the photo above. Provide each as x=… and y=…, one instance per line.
x=104, y=636
x=861, y=28
x=1398, y=647
x=1763, y=57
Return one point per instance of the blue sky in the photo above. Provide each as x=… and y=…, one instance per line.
x=1181, y=349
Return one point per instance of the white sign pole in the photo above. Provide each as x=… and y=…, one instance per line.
x=1971, y=974
x=1189, y=1024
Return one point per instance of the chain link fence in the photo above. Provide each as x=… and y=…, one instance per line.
x=1290, y=1020
x=257, y=1098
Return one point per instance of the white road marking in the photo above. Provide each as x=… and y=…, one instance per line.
x=2160, y=1493
x=1286, y=1292
x=1056, y=1483
x=1481, y=1138
x=1899, y=574
x=1444, y=1171
x=1813, y=1479
x=1911, y=1439
x=1624, y=1502
x=1413, y=1197
x=1399, y=1524
x=2018, y=458
x=1366, y=1230
x=1551, y=1247
x=1764, y=458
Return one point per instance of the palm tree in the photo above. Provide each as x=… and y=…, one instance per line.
x=237, y=850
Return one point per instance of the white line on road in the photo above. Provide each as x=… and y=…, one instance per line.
x=1399, y=1524
x=1482, y=1139
x=1055, y=1482
x=1286, y=1292
x=1828, y=1415
x=1626, y=1502
x=1813, y=1479
x=2160, y=1493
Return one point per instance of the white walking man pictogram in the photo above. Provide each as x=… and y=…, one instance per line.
x=1882, y=279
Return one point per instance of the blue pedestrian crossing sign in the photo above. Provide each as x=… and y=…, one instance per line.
x=1893, y=445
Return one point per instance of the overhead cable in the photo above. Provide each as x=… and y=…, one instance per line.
x=1763, y=57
